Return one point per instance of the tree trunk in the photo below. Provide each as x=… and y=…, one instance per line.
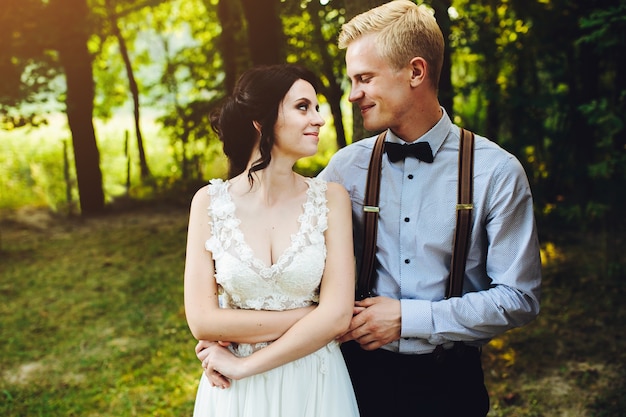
x=76, y=62
x=265, y=31
x=134, y=89
x=491, y=68
x=446, y=92
x=234, y=51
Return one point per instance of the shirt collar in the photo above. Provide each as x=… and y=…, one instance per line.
x=435, y=136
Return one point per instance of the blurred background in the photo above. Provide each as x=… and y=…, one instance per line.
x=104, y=138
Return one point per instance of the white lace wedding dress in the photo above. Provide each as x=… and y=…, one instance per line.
x=317, y=385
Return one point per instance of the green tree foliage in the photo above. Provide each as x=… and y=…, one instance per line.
x=171, y=47
x=352, y=8
x=27, y=64
x=604, y=32
x=191, y=80
x=312, y=32
x=113, y=19
x=43, y=40
x=544, y=78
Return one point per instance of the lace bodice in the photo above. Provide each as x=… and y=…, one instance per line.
x=247, y=283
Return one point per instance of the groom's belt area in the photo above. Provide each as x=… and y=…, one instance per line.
x=442, y=352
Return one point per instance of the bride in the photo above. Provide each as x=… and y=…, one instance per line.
x=275, y=249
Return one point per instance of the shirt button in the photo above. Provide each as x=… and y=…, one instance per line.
x=410, y=176
x=407, y=261
x=406, y=219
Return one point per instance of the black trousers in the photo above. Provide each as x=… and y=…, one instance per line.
x=389, y=384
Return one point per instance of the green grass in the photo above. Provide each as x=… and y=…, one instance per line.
x=571, y=361
x=93, y=321
x=92, y=324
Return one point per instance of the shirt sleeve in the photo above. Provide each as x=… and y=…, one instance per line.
x=509, y=257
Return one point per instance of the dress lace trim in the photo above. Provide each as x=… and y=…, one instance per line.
x=225, y=226
x=245, y=280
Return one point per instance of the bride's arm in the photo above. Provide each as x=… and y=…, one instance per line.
x=327, y=321
x=205, y=319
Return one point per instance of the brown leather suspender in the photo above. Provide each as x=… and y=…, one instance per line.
x=463, y=209
x=370, y=221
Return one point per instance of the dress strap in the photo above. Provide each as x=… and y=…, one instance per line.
x=315, y=208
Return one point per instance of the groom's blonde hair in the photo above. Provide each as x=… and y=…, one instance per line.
x=402, y=30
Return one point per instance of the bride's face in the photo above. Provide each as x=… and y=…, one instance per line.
x=298, y=123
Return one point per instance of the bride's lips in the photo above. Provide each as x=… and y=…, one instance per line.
x=314, y=134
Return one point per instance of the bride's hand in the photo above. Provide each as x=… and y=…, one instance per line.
x=202, y=353
x=221, y=366
x=203, y=344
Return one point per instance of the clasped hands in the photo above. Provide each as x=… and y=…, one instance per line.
x=376, y=321
x=220, y=364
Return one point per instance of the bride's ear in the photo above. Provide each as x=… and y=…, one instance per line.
x=257, y=126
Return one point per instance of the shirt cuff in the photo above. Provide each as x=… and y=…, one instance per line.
x=416, y=318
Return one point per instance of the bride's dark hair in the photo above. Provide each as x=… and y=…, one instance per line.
x=256, y=98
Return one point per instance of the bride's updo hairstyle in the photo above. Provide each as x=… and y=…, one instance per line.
x=256, y=98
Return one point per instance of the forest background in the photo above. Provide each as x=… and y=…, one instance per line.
x=104, y=137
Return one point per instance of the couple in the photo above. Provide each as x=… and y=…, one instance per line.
x=270, y=253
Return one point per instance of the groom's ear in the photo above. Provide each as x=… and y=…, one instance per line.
x=418, y=70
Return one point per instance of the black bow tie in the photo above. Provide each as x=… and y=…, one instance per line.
x=420, y=150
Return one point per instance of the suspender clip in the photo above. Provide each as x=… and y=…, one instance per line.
x=371, y=209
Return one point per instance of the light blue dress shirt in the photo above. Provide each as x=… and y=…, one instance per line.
x=415, y=233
